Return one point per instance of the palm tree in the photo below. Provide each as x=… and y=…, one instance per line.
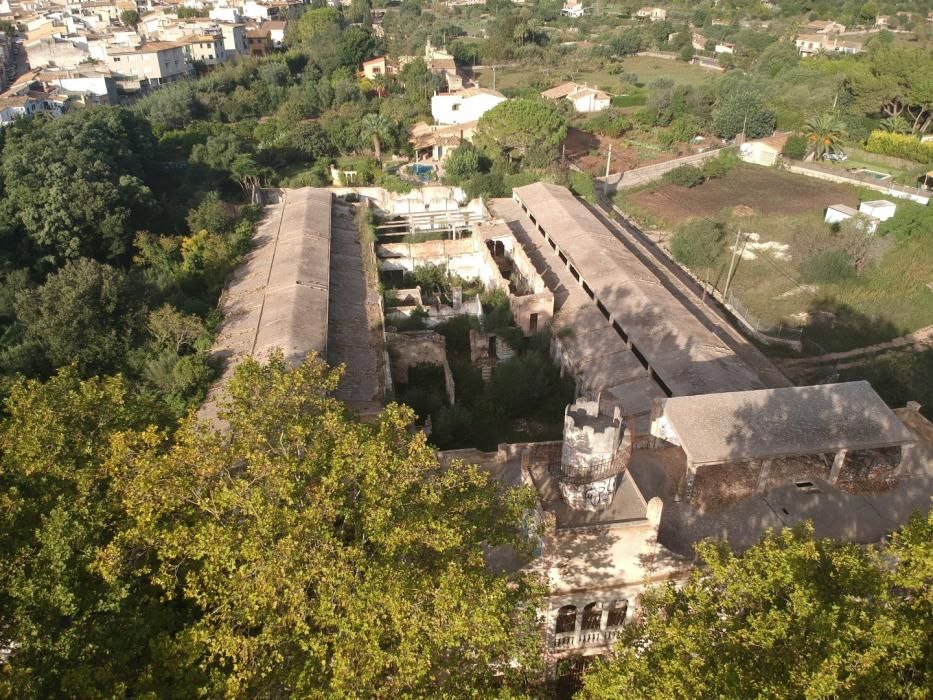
x=379, y=129
x=824, y=133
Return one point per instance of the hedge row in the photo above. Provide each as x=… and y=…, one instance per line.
x=900, y=146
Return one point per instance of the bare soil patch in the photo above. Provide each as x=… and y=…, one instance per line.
x=763, y=190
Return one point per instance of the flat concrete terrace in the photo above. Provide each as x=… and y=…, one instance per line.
x=279, y=296
x=354, y=331
x=684, y=356
x=590, y=347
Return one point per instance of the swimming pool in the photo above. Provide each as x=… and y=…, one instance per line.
x=874, y=174
x=421, y=171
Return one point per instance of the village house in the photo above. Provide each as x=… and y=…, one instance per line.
x=652, y=14
x=258, y=42
x=204, y=48
x=572, y=8
x=434, y=142
x=584, y=99
x=812, y=44
x=375, y=67
x=464, y=106
x=152, y=64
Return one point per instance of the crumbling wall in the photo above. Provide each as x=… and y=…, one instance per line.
x=532, y=312
x=466, y=257
x=415, y=347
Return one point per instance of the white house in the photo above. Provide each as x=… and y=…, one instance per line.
x=653, y=14
x=725, y=48
x=464, y=106
x=880, y=209
x=572, y=8
x=584, y=99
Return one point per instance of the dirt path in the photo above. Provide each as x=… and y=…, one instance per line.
x=919, y=340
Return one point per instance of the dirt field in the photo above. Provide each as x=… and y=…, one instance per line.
x=765, y=190
x=588, y=152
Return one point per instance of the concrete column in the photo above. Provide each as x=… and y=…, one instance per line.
x=764, y=470
x=657, y=410
x=838, y=463
x=686, y=484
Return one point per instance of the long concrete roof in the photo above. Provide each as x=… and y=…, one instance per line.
x=279, y=296
x=770, y=423
x=597, y=355
x=687, y=356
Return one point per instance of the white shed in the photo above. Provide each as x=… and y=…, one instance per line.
x=880, y=209
x=837, y=213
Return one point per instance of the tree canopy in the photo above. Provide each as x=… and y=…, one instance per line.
x=794, y=617
x=299, y=552
x=526, y=129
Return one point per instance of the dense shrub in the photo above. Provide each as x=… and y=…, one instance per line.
x=795, y=148
x=698, y=244
x=900, y=146
x=685, y=176
x=582, y=185
x=609, y=123
x=908, y=221
x=827, y=267
x=714, y=168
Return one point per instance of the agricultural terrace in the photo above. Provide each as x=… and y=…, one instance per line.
x=845, y=289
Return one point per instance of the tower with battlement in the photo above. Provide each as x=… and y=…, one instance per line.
x=596, y=451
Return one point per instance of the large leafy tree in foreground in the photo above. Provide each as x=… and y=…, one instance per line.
x=72, y=631
x=793, y=617
x=296, y=553
x=326, y=557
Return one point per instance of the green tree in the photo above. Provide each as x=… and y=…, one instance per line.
x=741, y=109
x=327, y=557
x=315, y=22
x=793, y=617
x=824, y=134
x=378, y=129
x=129, y=18
x=525, y=129
x=71, y=630
x=82, y=315
x=698, y=243
x=78, y=184
x=462, y=164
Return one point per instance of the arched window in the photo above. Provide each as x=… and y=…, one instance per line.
x=592, y=615
x=617, y=613
x=566, y=619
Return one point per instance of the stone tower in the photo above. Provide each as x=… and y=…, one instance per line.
x=596, y=450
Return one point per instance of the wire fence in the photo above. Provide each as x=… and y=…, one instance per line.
x=780, y=332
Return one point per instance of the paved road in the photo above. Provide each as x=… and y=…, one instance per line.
x=690, y=294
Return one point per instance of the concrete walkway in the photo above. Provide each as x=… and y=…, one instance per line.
x=354, y=329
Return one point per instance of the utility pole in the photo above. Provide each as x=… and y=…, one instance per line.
x=606, y=179
x=732, y=265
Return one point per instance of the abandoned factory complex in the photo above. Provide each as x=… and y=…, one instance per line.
x=679, y=428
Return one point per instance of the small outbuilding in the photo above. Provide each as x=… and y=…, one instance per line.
x=880, y=209
x=763, y=151
x=764, y=426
